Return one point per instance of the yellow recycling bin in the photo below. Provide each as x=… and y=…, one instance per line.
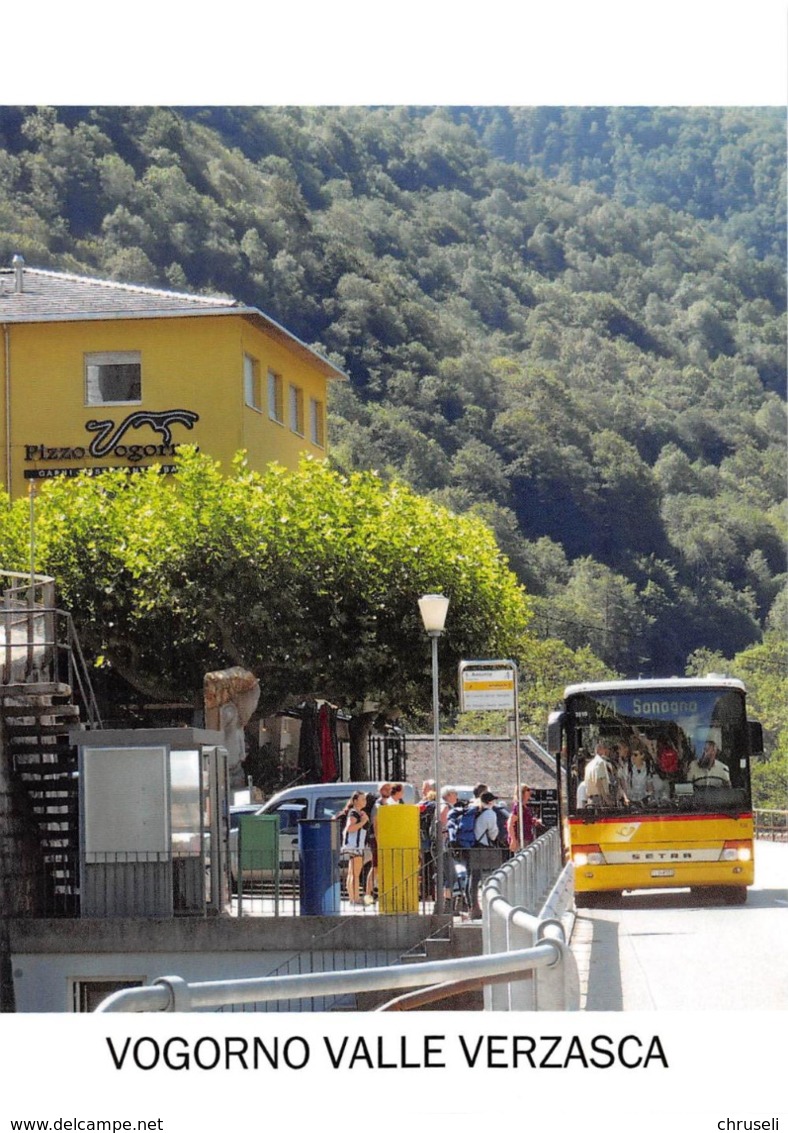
x=398, y=858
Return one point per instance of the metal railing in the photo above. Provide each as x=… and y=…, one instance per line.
x=387, y=757
x=38, y=641
x=171, y=993
x=523, y=903
x=24, y=634
x=546, y=963
x=403, y=882
x=59, y=882
x=771, y=825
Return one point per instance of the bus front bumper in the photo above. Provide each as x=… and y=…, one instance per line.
x=664, y=874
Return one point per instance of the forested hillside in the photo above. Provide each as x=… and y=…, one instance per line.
x=571, y=321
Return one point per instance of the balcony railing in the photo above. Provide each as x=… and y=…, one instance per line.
x=38, y=641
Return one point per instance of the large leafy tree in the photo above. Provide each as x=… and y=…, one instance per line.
x=308, y=578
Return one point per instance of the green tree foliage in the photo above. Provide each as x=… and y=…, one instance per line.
x=569, y=320
x=310, y=579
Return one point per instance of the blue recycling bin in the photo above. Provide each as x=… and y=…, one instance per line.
x=318, y=851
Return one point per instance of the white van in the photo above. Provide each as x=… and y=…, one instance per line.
x=313, y=800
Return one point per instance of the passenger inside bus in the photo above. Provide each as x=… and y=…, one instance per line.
x=604, y=776
x=639, y=773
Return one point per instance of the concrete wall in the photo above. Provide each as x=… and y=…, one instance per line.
x=48, y=956
x=474, y=759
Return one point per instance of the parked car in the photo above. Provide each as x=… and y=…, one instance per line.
x=313, y=800
x=240, y=809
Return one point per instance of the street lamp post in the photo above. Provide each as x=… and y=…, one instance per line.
x=433, y=609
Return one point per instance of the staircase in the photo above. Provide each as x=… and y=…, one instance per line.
x=43, y=681
x=36, y=718
x=456, y=940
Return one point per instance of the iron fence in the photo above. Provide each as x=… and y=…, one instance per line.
x=771, y=825
x=401, y=880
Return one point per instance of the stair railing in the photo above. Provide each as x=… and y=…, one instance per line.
x=39, y=642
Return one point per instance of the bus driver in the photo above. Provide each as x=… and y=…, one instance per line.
x=707, y=770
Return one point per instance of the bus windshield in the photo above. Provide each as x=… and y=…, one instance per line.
x=657, y=748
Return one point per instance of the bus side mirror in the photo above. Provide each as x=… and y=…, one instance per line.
x=755, y=730
x=555, y=731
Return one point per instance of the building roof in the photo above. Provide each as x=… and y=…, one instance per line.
x=35, y=295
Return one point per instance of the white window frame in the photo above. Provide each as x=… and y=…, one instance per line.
x=114, y=983
x=252, y=393
x=317, y=422
x=295, y=398
x=110, y=358
x=276, y=409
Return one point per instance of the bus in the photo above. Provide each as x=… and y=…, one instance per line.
x=654, y=786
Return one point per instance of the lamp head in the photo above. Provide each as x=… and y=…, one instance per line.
x=433, y=608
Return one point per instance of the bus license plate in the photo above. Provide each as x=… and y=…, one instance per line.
x=663, y=872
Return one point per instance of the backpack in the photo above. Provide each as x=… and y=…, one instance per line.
x=427, y=824
x=459, y=826
x=503, y=833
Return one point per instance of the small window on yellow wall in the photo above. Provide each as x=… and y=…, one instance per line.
x=297, y=410
x=317, y=429
x=113, y=378
x=252, y=395
x=276, y=410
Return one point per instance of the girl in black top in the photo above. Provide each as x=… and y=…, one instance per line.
x=354, y=838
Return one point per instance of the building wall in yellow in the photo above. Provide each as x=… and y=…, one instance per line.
x=192, y=364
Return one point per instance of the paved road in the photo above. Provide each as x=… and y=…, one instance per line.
x=659, y=951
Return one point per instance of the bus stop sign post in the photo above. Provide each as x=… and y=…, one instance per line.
x=487, y=686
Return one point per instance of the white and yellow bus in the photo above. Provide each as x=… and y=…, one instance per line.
x=684, y=821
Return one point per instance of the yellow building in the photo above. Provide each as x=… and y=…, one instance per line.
x=99, y=374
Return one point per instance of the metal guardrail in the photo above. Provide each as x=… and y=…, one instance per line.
x=545, y=963
x=171, y=993
x=524, y=903
x=771, y=825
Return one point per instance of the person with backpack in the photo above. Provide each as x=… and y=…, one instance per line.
x=427, y=813
x=485, y=833
x=450, y=799
x=485, y=827
x=460, y=824
x=501, y=814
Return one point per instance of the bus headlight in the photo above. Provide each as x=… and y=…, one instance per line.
x=587, y=855
x=736, y=851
